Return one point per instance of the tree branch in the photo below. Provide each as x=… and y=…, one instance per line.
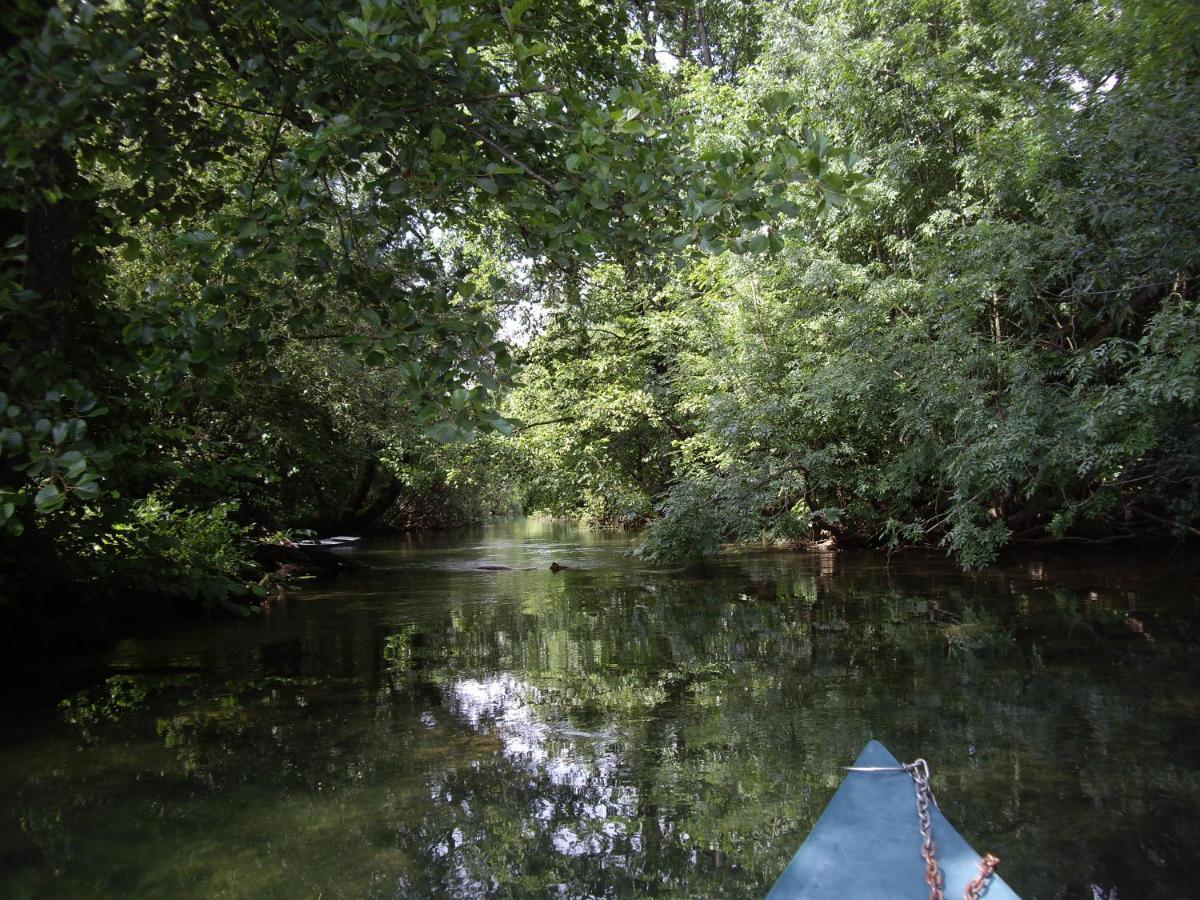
x=218, y=38
x=1164, y=521
x=510, y=156
x=527, y=425
x=267, y=157
x=509, y=95
x=322, y=336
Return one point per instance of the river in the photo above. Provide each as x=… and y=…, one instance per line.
x=429, y=728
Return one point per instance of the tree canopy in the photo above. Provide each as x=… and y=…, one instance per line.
x=996, y=346
x=889, y=273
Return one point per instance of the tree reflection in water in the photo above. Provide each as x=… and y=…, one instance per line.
x=430, y=729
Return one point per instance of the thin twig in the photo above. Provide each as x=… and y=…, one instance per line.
x=270, y=155
x=322, y=336
x=508, y=95
x=218, y=38
x=338, y=216
x=527, y=425
x=239, y=106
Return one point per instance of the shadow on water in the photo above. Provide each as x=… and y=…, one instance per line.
x=429, y=727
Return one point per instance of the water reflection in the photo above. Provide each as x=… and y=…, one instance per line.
x=433, y=728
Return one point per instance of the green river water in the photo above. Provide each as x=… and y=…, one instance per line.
x=427, y=728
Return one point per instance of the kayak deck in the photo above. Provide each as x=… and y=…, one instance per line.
x=867, y=844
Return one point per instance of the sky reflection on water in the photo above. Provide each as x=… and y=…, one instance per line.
x=430, y=728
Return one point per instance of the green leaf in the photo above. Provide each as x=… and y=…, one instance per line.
x=758, y=243
x=88, y=490
x=501, y=425
x=437, y=138
x=48, y=499
x=512, y=15
x=443, y=432
x=777, y=102
x=74, y=462
x=198, y=238
x=833, y=198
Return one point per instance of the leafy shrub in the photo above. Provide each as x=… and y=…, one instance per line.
x=687, y=528
x=164, y=549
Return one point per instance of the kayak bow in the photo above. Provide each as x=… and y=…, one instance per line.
x=867, y=843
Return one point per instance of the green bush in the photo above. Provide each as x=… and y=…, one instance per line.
x=153, y=548
x=198, y=554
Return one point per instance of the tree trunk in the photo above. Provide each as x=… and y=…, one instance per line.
x=702, y=33
x=49, y=248
x=359, y=493
x=381, y=504
x=649, y=30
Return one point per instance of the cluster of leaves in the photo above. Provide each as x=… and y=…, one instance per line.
x=995, y=343
x=259, y=252
x=199, y=555
x=593, y=409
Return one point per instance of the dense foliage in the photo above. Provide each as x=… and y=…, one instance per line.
x=999, y=345
x=265, y=266
x=256, y=254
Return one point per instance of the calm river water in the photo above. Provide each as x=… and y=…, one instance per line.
x=427, y=728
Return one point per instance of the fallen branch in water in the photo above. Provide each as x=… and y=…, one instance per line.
x=1164, y=521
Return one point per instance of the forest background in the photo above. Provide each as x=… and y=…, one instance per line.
x=859, y=272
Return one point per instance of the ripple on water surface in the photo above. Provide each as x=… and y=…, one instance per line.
x=431, y=727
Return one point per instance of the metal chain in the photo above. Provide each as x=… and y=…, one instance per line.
x=919, y=772
x=976, y=888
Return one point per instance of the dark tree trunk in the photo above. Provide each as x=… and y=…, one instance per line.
x=356, y=512
x=702, y=33
x=380, y=505
x=649, y=30
x=49, y=247
x=359, y=493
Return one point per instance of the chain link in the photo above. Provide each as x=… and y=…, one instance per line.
x=919, y=772
x=976, y=888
